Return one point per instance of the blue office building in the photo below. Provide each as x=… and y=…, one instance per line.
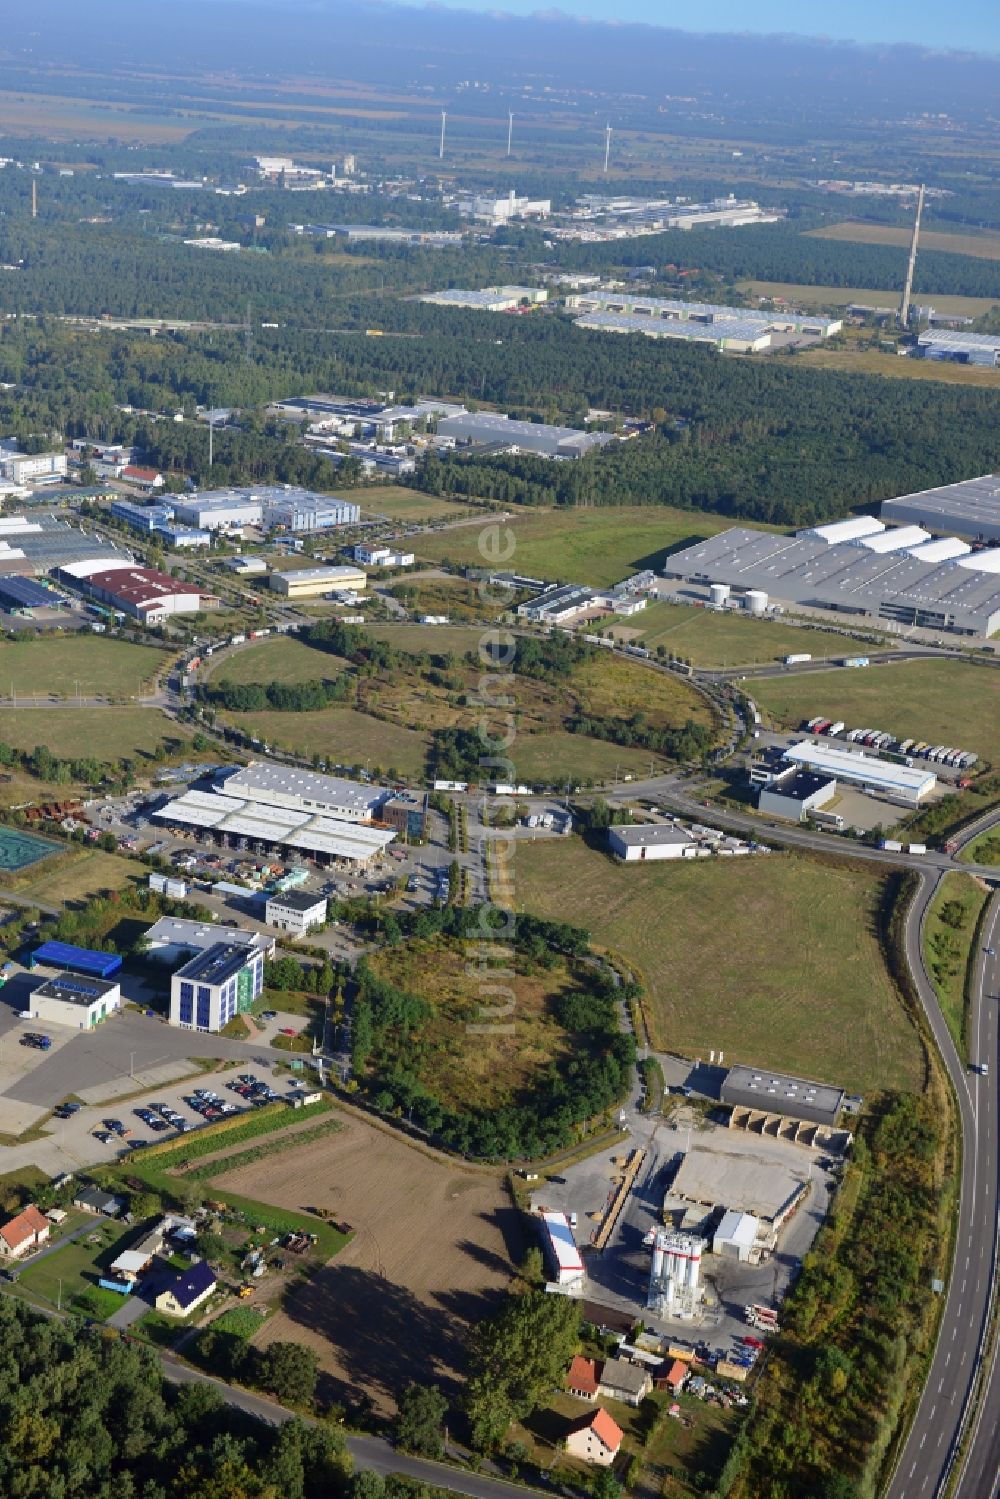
x=215, y=985
x=145, y=518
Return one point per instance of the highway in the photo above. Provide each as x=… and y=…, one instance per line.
x=932, y=1450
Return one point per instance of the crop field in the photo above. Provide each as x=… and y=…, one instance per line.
x=840, y=296
x=410, y=506
x=709, y=639
x=946, y=702
x=432, y=1248
x=851, y=231
x=65, y=666
x=461, y=1068
x=598, y=546
x=108, y=734
x=773, y=959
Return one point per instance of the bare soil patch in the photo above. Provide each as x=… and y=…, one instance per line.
x=432, y=1250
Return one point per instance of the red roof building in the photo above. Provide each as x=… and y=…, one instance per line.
x=596, y=1438
x=143, y=592
x=24, y=1233
x=671, y=1376
x=144, y=478
x=583, y=1378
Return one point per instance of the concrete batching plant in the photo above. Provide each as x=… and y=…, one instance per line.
x=675, y=1288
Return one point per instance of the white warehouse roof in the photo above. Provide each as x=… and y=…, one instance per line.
x=982, y=562
x=942, y=549
x=847, y=767
x=894, y=541
x=560, y=1237
x=737, y=1228
x=845, y=530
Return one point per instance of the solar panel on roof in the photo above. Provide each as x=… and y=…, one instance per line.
x=25, y=593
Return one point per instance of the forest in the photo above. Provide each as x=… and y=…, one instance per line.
x=88, y=1415
x=770, y=441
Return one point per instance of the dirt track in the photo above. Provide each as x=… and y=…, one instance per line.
x=432, y=1248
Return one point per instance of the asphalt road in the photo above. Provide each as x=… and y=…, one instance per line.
x=930, y=1453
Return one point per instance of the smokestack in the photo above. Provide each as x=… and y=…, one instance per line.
x=34, y=198
x=904, y=306
x=607, y=146
x=444, y=120
x=510, y=129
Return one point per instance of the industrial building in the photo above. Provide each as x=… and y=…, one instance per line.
x=379, y=556
x=44, y=544
x=638, y=310
x=600, y=217
x=173, y=939
x=75, y=959
x=495, y=212
x=794, y=794
x=209, y=989
x=654, y=841
x=561, y=1254
x=296, y=911
x=489, y=298
x=265, y=807
x=407, y=813
x=307, y=791
x=75, y=1000
x=563, y=604
x=313, y=582
x=431, y=239
x=736, y=1236
x=490, y=427
x=141, y=592
x=272, y=507
x=777, y=1093
x=24, y=596
x=962, y=348
x=734, y=335
x=970, y=508
x=871, y=572
x=144, y=518
x=766, y=1183
x=907, y=786
x=32, y=468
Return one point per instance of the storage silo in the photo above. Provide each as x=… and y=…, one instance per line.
x=756, y=601
x=719, y=594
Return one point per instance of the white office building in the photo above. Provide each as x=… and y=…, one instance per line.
x=75, y=1000
x=296, y=911
x=173, y=939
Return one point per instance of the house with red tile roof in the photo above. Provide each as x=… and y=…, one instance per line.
x=584, y=1378
x=596, y=1438
x=22, y=1234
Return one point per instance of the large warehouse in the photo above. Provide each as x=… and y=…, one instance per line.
x=905, y=785
x=530, y=437
x=709, y=315
x=777, y=1093
x=856, y=567
x=962, y=348
x=272, y=506
x=142, y=592
x=313, y=582
x=733, y=335
x=970, y=508
x=264, y=807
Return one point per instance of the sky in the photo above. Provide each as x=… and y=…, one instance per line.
x=972, y=25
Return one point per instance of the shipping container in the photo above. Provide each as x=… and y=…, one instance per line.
x=798, y=657
x=855, y=660
x=836, y=728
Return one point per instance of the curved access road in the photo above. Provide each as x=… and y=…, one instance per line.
x=932, y=1455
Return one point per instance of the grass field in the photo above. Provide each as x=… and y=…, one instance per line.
x=947, y=702
x=108, y=734
x=949, y=928
x=82, y=872
x=439, y=640
x=982, y=850
x=408, y=505
x=852, y=231
x=855, y=361
x=280, y=658
x=598, y=546
x=396, y=713
x=840, y=296
x=775, y=960
x=71, y=664
x=75, y=1269
x=710, y=639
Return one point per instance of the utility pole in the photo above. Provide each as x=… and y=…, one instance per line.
x=607, y=147
x=904, y=306
x=444, y=121
x=510, y=129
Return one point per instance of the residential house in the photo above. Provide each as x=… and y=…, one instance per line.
x=583, y=1379
x=93, y=1200
x=188, y=1291
x=629, y=1383
x=28, y=1231
x=146, y=479
x=671, y=1375
x=596, y=1438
